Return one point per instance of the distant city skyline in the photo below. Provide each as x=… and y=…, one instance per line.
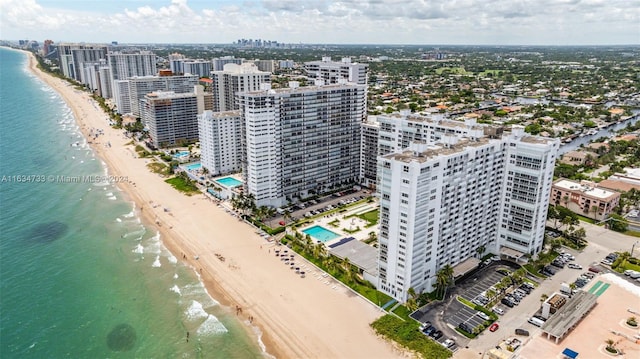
x=455, y=22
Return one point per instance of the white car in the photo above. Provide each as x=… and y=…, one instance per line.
x=498, y=310
x=574, y=266
x=606, y=262
x=483, y=316
x=448, y=343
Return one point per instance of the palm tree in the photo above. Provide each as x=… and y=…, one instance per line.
x=286, y=215
x=444, y=279
x=543, y=297
x=565, y=199
x=611, y=345
x=481, y=249
x=594, y=209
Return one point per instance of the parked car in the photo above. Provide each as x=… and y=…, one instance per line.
x=448, y=343
x=483, y=315
x=525, y=289
x=606, y=262
x=507, y=302
x=437, y=335
x=590, y=274
x=425, y=325
x=535, y=321
x=574, y=266
x=494, y=327
x=557, y=263
x=498, y=310
x=522, y=332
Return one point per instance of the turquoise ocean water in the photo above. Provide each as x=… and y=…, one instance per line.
x=80, y=276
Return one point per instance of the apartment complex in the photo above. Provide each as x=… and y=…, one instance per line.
x=300, y=140
x=389, y=133
x=172, y=118
x=220, y=141
x=440, y=200
x=584, y=198
x=219, y=62
x=233, y=79
x=125, y=65
x=73, y=58
x=138, y=86
x=201, y=68
x=333, y=71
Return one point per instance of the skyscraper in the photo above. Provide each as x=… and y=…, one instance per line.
x=73, y=57
x=171, y=118
x=125, y=65
x=139, y=86
x=202, y=68
x=233, y=79
x=220, y=141
x=300, y=140
x=441, y=200
x=219, y=62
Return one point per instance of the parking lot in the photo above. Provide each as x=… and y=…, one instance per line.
x=463, y=314
x=482, y=284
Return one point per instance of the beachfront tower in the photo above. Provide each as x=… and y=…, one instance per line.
x=233, y=79
x=201, y=68
x=220, y=141
x=125, y=65
x=139, y=86
x=441, y=200
x=171, y=118
x=298, y=141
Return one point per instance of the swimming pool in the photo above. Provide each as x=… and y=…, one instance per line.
x=181, y=154
x=229, y=182
x=193, y=166
x=320, y=233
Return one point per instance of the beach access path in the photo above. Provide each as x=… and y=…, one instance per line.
x=298, y=317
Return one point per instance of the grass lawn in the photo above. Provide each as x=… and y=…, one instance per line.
x=183, y=185
x=632, y=233
x=402, y=312
x=454, y=70
x=371, y=217
x=406, y=333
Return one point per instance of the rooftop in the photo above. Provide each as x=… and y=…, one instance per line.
x=360, y=254
x=430, y=151
x=570, y=314
x=585, y=188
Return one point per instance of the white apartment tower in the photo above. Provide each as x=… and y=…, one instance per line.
x=125, y=65
x=73, y=58
x=172, y=118
x=370, y=129
x=220, y=141
x=219, y=62
x=233, y=79
x=333, y=71
x=139, y=86
x=300, y=140
x=440, y=201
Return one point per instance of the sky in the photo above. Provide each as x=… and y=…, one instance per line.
x=443, y=22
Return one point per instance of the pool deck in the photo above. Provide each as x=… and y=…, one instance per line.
x=349, y=223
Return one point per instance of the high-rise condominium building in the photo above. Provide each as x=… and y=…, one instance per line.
x=176, y=63
x=300, y=140
x=333, y=71
x=202, y=68
x=233, y=79
x=266, y=65
x=388, y=133
x=125, y=65
x=139, y=86
x=172, y=118
x=220, y=141
x=73, y=57
x=441, y=201
x=219, y=62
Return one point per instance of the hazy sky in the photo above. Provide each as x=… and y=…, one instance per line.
x=506, y=22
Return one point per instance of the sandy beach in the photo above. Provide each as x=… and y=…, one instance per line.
x=311, y=317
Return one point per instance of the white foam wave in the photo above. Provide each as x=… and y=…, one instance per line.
x=112, y=198
x=154, y=245
x=175, y=276
x=118, y=220
x=109, y=194
x=211, y=326
x=172, y=259
x=138, y=249
x=156, y=263
x=196, y=311
x=200, y=292
x=129, y=215
x=258, y=334
x=175, y=289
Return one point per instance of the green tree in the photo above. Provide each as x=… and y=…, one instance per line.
x=617, y=223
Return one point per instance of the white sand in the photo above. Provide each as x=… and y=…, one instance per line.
x=299, y=317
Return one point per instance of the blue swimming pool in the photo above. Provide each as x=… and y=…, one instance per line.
x=320, y=233
x=181, y=154
x=193, y=166
x=229, y=182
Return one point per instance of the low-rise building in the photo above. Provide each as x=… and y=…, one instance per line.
x=584, y=198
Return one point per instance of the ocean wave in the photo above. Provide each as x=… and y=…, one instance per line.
x=175, y=289
x=196, y=311
x=118, y=220
x=211, y=326
x=156, y=263
x=129, y=215
x=172, y=259
x=138, y=249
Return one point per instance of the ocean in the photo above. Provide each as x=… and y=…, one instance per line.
x=80, y=275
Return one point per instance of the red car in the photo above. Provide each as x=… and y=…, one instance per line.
x=494, y=327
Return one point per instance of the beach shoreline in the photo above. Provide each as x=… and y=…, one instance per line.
x=309, y=317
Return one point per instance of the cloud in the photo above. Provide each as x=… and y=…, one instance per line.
x=335, y=21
